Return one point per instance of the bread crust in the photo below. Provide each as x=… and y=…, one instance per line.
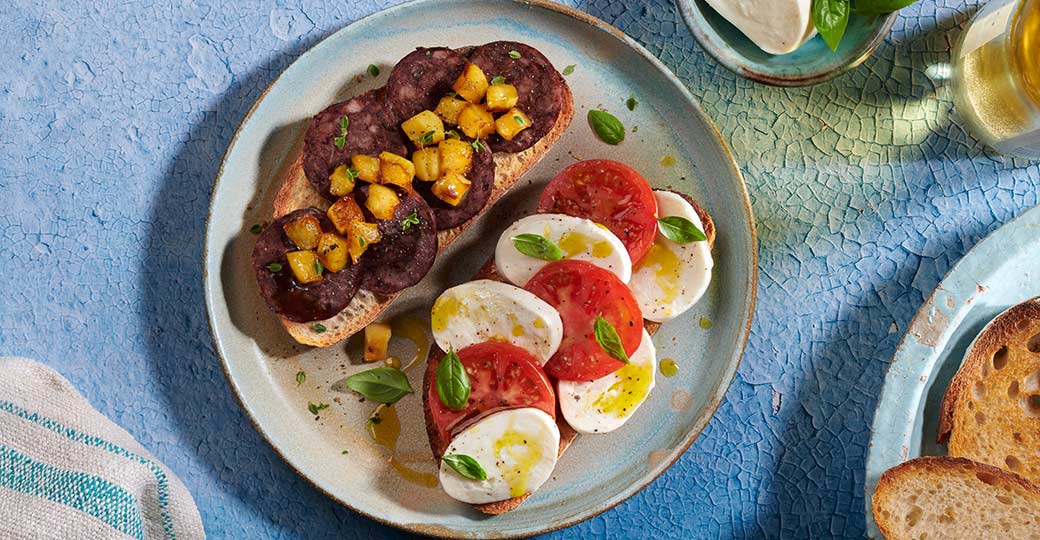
x=567, y=433
x=296, y=192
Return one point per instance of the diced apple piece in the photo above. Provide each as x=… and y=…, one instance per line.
x=501, y=97
x=451, y=188
x=471, y=84
x=343, y=213
x=303, y=231
x=449, y=108
x=512, y=122
x=362, y=235
x=427, y=163
x=341, y=181
x=367, y=167
x=332, y=251
x=456, y=157
x=476, y=121
x=377, y=340
x=381, y=201
x=395, y=169
x=306, y=267
x=424, y=129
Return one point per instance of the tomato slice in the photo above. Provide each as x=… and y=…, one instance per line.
x=610, y=193
x=501, y=376
x=581, y=291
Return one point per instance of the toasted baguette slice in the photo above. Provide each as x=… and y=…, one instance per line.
x=934, y=498
x=296, y=192
x=991, y=410
x=567, y=433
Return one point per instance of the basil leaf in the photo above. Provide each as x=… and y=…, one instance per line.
x=607, y=127
x=879, y=7
x=373, y=70
x=537, y=246
x=609, y=340
x=831, y=17
x=569, y=69
x=680, y=230
x=466, y=466
x=381, y=384
x=498, y=79
x=452, y=382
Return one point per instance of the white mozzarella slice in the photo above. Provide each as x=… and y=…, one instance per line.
x=776, y=26
x=516, y=447
x=606, y=403
x=576, y=237
x=672, y=277
x=486, y=310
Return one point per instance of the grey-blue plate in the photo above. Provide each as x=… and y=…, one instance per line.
x=999, y=272
x=262, y=361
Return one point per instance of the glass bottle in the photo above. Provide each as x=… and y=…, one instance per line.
x=997, y=77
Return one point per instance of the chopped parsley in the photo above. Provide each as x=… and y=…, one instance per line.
x=373, y=70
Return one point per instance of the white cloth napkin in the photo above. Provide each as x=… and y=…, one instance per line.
x=68, y=472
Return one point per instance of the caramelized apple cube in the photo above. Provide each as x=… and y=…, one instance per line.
x=381, y=201
x=377, y=340
x=341, y=181
x=424, y=129
x=332, y=251
x=395, y=169
x=451, y=188
x=456, y=157
x=306, y=267
x=512, y=122
x=303, y=231
x=362, y=235
x=471, y=84
x=449, y=108
x=343, y=213
x=501, y=97
x=476, y=121
x=367, y=167
x=427, y=163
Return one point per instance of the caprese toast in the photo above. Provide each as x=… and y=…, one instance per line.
x=388, y=179
x=553, y=338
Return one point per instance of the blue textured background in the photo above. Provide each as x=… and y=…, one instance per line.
x=113, y=120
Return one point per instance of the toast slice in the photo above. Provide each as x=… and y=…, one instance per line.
x=567, y=433
x=991, y=410
x=296, y=192
x=956, y=499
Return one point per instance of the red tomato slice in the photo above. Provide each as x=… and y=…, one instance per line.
x=580, y=291
x=610, y=193
x=501, y=376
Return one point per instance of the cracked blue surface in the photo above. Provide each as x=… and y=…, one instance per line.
x=113, y=120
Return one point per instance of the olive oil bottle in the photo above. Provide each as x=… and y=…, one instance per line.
x=997, y=77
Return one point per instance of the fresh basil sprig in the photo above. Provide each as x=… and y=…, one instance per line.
x=608, y=339
x=607, y=127
x=879, y=7
x=452, y=382
x=537, y=246
x=680, y=230
x=466, y=466
x=382, y=384
x=830, y=18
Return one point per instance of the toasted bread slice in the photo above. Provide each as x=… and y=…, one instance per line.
x=955, y=499
x=567, y=433
x=991, y=410
x=296, y=192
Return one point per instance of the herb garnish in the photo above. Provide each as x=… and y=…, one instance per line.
x=498, y=79
x=452, y=134
x=466, y=466
x=477, y=145
x=256, y=229
x=301, y=378
x=452, y=94
x=631, y=102
x=452, y=381
x=519, y=121
x=274, y=267
x=373, y=70
x=381, y=384
x=318, y=268
x=315, y=409
x=537, y=246
x=341, y=139
x=514, y=54
x=680, y=230
x=426, y=138
x=569, y=69
x=609, y=340
x=319, y=328
x=831, y=17
x=412, y=219
x=607, y=127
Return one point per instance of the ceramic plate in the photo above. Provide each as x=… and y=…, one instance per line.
x=391, y=482
x=999, y=272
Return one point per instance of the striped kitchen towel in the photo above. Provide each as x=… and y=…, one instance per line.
x=68, y=472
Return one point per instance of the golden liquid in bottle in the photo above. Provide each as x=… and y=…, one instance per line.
x=997, y=77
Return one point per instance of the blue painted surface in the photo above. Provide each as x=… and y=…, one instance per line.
x=113, y=119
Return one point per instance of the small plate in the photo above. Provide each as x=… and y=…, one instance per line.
x=812, y=63
x=999, y=272
x=262, y=361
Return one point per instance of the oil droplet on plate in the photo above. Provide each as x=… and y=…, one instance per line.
x=705, y=323
x=668, y=161
x=668, y=367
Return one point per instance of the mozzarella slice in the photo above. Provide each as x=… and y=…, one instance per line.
x=606, y=403
x=486, y=310
x=516, y=447
x=578, y=238
x=672, y=277
x=776, y=26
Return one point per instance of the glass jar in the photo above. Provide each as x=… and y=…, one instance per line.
x=997, y=77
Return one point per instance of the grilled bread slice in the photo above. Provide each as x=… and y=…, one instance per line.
x=567, y=433
x=296, y=192
x=955, y=499
x=991, y=410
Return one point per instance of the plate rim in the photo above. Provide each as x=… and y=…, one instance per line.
x=905, y=355
x=729, y=373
